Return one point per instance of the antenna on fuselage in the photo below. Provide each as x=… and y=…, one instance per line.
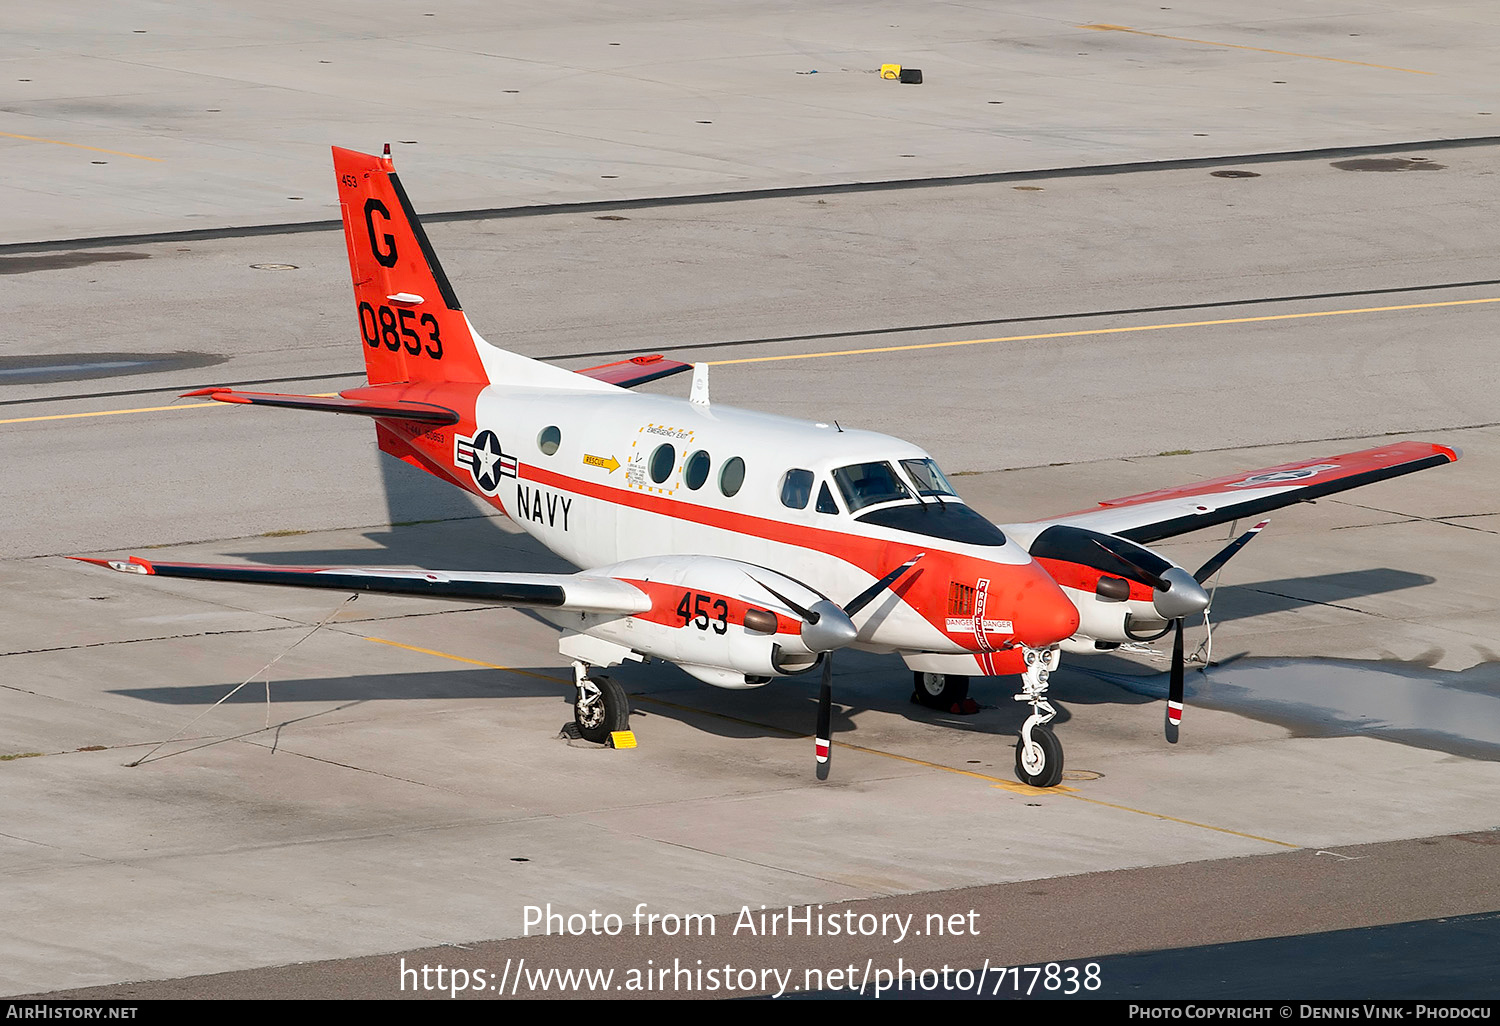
x=699, y=393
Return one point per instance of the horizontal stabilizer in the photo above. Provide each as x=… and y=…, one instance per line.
x=636, y=371
x=403, y=409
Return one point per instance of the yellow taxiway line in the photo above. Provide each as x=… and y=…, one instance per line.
x=1079, y=333
x=465, y=659
x=79, y=146
x=1257, y=49
x=1084, y=332
x=139, y=409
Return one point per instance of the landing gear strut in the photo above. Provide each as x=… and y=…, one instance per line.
x=1039, y=755
x=601, y=707
x=946, y=691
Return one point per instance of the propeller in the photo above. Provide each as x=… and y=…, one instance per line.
x=1177, y=594
x=826, y=627
x=1176, y=683
x=822, y=746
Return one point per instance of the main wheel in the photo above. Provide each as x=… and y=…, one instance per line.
x=1041, y=764
x=600, y=709
x=940, y=690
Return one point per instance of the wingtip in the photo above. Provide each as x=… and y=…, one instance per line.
x=217, y=393
x=133, y=565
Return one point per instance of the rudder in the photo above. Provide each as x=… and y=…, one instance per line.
x=409, y=318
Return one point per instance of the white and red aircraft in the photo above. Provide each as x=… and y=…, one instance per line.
x=743, y=546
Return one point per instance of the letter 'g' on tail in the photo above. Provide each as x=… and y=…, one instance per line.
x=411, y=323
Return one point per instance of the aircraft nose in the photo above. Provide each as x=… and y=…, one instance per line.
x=1046, y=614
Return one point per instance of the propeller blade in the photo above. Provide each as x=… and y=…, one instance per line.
x=802, y=611
x=1142, y=574
x=825, y=626
x=1175, y=688
x=822, y=740
x=865, y=597
x=1225, y=554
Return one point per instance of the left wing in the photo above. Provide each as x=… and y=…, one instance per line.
x=378, y=401
x=1168, y=512
x=583, y=592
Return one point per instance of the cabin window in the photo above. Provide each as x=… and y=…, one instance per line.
x=549, y=440
x=662, y=461
x=825, y=500
x=796, y=488
x=866, y=484
x=731, y=476
x=695, y=470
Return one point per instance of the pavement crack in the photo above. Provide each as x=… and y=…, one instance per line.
x=290, y=625
x=1446, y=521
x=279, y=748
x=53, y=847
x=736, y=858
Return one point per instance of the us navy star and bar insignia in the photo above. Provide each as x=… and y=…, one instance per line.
x=487, y=463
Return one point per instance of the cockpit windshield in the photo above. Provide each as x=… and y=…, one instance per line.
x=866, y=484
x=927, y=477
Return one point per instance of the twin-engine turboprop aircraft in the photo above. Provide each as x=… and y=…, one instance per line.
x=743, y=546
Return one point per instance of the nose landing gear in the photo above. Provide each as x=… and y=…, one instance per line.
x=1039, y=755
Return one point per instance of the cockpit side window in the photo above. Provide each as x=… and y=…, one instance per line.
x=866, y=484
x=796, y=488
x=927, y=477
x=825, y=500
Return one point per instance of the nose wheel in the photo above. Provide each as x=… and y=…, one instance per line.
x=1039, y=761
x=1039, y=755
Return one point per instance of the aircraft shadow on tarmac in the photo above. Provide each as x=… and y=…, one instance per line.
x=433, y=527
x=1241, y=601
x=428, y=686
x=1409, y=702
x=1412, y=702
x=783, y=707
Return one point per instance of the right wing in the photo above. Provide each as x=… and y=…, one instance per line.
x=1168, y=512
x=582, y=592
x=636, y=371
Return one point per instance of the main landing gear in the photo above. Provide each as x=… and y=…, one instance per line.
x=946, y=691
x=1039, y=755
x=601, y=707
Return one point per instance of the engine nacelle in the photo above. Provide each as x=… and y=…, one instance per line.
x=1105, y=576
x=711, y=616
